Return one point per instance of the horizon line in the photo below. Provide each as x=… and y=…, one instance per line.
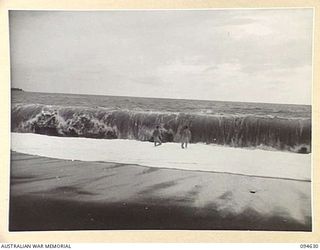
x=152, y=97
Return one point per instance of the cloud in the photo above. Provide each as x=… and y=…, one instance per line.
x=207, y=54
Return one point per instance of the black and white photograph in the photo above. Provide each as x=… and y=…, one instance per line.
x=161, y=119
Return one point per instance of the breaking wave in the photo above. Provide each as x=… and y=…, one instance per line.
x=292, y=134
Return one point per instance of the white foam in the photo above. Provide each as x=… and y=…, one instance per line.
x=169, y=155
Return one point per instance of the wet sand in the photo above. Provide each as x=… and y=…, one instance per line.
x=54, y=194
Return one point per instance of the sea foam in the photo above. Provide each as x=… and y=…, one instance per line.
x=197, y=157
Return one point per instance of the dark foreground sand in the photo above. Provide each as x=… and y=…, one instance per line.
x=53, y=194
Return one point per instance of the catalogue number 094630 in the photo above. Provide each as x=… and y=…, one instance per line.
x=309, y=246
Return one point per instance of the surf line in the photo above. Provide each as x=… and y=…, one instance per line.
x=212, y=171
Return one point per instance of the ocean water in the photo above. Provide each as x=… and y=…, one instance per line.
x=237, y=124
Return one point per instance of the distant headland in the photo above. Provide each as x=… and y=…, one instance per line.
x=16, y=89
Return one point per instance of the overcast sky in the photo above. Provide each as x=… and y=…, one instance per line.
x=229, y=55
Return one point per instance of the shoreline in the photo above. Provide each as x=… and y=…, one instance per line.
x=198, y=157
x=54, y=194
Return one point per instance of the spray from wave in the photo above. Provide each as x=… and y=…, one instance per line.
x=290, y=134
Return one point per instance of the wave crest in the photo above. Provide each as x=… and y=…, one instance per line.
x=237, y=131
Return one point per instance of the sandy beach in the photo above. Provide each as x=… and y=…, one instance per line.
x=55, y=194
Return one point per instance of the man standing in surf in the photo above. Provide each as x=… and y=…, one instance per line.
x=157, y=136
x=185, y=137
